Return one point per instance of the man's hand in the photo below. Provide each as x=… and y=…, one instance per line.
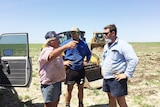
x=67, y=63
x=85, y=63
x=120, y=76
x=72, y=44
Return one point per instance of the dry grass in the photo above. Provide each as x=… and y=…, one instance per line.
x=144, y=87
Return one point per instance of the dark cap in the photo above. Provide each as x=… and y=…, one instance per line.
x=51, y=34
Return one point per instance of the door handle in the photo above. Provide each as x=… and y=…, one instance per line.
x=7, y=67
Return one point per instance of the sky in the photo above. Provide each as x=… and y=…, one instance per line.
x=136, y=20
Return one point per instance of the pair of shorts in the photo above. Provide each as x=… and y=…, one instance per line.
x=115, y=87
x=73, y=76
x=51, y=92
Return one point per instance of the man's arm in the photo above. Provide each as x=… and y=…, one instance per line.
x=132, y=60
x=58, y=51
x=88, y=53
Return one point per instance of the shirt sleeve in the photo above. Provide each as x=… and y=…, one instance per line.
x=131, y=58
x=45, y=53
x=88, y=53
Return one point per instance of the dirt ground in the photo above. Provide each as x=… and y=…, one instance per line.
x=144, y=87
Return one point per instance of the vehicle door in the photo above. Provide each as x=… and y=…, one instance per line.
x=15, y=62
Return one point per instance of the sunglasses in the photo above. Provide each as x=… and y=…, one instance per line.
x=106, y=33
x=72, y=33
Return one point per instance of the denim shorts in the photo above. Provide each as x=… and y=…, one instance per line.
x=51, y=92
x=115, y=87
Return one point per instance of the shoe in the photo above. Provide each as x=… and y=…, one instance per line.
x=80, y=104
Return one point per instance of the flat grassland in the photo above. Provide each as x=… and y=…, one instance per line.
x=144, y=87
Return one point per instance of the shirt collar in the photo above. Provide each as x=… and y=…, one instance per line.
x=114, y=43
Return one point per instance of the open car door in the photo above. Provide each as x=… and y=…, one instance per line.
x=15, y=63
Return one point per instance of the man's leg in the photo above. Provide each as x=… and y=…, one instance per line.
x=112, y=100
x=80, y=94
x=56, y=103
x=52, y=104
x=69, y=93
x=122, y=101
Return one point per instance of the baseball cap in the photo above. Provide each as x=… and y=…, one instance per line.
x=51, y=34
x=75, y=29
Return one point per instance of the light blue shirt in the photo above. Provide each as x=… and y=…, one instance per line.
x=118, y=58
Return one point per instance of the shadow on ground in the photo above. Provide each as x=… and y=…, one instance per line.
x=10, y=98
x=99, y=105
x=30, y=104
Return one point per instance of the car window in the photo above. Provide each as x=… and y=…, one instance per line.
x=67, y=35
x=13, y=45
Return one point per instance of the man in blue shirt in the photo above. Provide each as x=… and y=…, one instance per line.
x=118, y=63
x=75, y=72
